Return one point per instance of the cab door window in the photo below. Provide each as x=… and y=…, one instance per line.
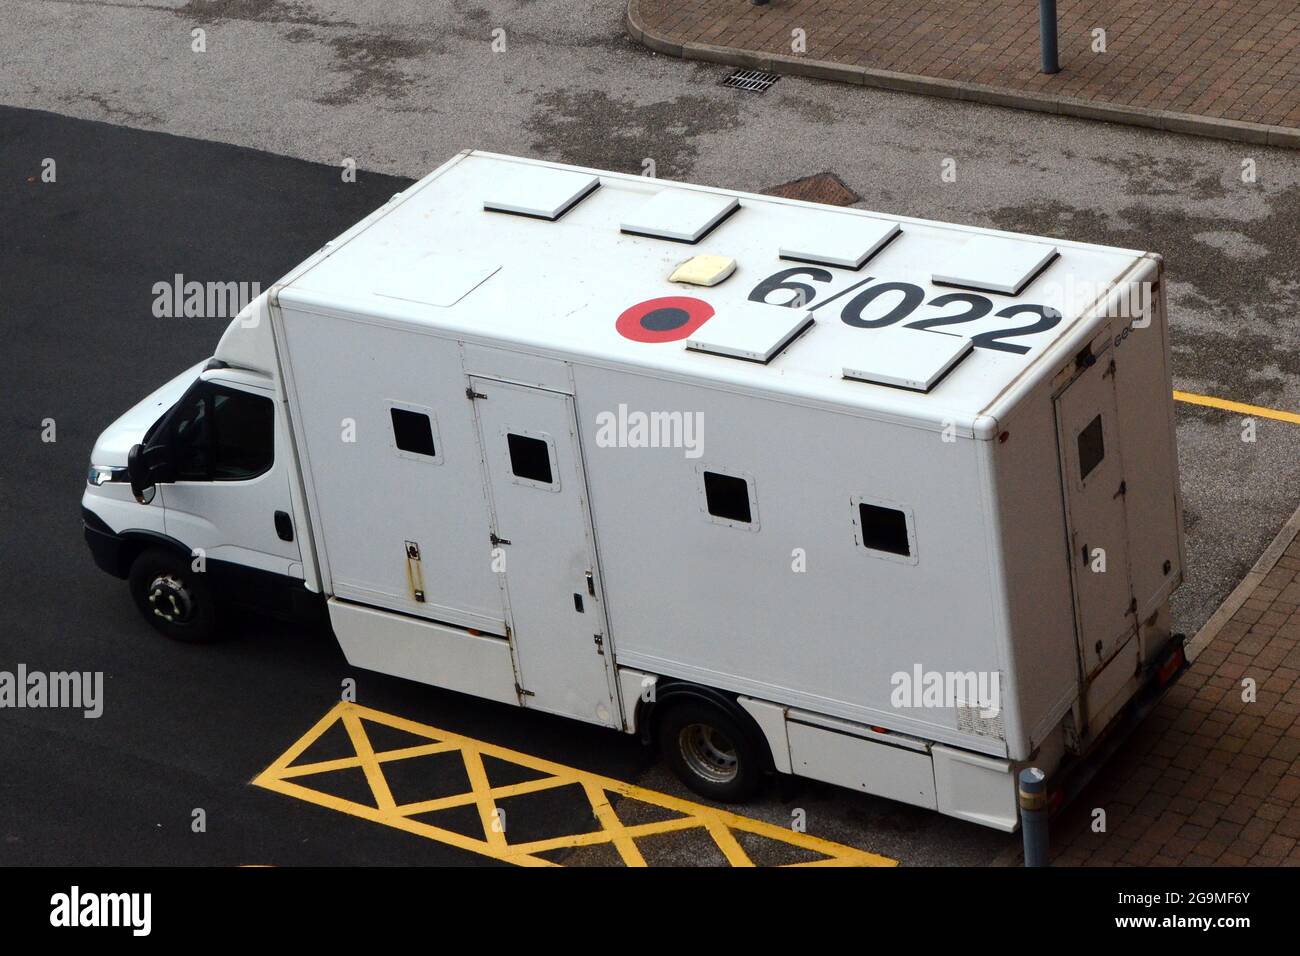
x=243, y=434
x=222, y=434
x=190, y=438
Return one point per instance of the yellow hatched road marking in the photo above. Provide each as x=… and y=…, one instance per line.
x=1258, y=411
x=285, y=776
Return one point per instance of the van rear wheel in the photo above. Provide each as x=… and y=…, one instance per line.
x=173, y=597
x=711, y=751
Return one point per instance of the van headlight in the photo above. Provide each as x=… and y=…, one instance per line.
x=101, y=474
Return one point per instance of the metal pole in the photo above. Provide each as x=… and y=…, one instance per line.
x=1047, y=33
x=1033, y=815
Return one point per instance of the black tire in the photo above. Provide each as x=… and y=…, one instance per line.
x=174, y=598
x=711, y=751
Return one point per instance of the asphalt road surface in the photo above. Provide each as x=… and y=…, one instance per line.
x=399, y=87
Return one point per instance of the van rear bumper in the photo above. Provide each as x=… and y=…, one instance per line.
x=109, y=549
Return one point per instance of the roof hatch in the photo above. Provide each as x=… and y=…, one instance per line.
x=539, y=192
x=914, y=362
x=750, y=330
x=839, y=240
x=432, y=279
x=994, y=264
x=683, y=215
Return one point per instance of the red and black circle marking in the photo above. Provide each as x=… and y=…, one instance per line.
x=667, y=319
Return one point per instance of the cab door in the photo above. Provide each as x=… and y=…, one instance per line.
x=1092, y=475
x=231, y=500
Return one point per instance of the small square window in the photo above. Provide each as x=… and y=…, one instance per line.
x=413, y=432
x=727, y=497
x=1092, y=448
x=530, y=458
x=884, y=529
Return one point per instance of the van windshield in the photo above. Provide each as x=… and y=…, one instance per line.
x=162, y=419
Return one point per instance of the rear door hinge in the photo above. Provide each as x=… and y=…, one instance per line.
x=523, y=693
x=497, y=541
x=471, y=394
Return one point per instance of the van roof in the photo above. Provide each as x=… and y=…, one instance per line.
x=909, y=318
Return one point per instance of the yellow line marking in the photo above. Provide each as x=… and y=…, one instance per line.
x=284, y=775
x=374, y=776
x=1258, y=411
x=610, y=823
x=728, y=844
x=603, y=836
x=493, y=825
x=344, y=763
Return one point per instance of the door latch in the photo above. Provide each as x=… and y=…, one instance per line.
x=414, y=573
x=600, y=644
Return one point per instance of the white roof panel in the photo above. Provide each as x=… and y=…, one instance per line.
x=994, y=264
x=750, y=330
x=539, y=191
x=432, y=278
x=909, y=361
x=684, y=215
x=580, y=287
x=838, y=240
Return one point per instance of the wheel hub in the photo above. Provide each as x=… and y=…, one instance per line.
x=170, y=599
x=709, y=753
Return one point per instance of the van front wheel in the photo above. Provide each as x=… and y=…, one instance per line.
x=173, y=597
x=711, y=752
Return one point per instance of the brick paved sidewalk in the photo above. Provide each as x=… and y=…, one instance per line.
x=1228, y=68
x=1210, y=779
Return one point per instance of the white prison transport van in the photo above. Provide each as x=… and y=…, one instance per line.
x=882, y=502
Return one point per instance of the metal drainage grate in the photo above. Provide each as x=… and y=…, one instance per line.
x=823, y=188
x=753, y=81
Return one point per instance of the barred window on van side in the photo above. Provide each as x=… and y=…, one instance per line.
x=727, y=497
x=530, y=458
x=413, y=432
x=884, y=529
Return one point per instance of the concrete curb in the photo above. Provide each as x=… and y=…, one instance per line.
x=1235, y=130
x=1242, y=592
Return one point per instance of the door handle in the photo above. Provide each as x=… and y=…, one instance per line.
x=284, y=525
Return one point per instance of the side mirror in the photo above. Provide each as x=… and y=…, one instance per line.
x=147, y=467
x=136, y=472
